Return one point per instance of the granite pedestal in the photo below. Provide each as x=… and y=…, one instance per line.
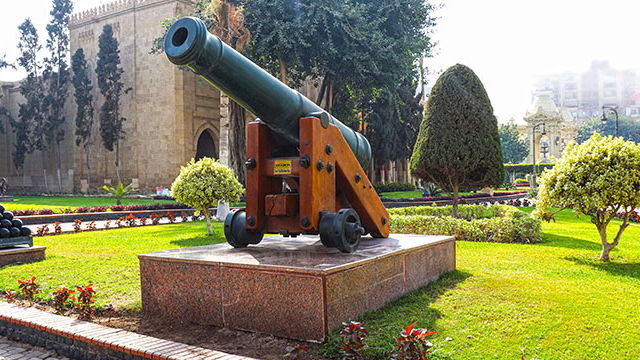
x=290, y=288
x=21, y=254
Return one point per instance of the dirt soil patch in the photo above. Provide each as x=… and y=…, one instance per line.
x=254, y=345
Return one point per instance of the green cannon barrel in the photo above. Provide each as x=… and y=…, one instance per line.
x=189, y=43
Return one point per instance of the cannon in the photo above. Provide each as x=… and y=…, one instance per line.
x=304, y=169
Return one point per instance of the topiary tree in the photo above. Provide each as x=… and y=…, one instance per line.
x=202, y=183
x=458, y=146
x=599, y=178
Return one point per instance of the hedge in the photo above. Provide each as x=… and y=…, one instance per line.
x=496, y=223
x=525, y=168
x=393, y=187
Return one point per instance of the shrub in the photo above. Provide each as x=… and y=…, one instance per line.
x=393, y=187
x=118, y=191
x=10, y=295
x=29, y=288
x=352, y=338
x=131, y=220
x=91, y=226
x=458, y=145
x=201, y=184
x=60, y=298
x=412, y=344
x=599, y=178
x=86, y=298
x=57, y=229
x=509, y=225
x=77, y=226
x=42, y=230
x=171, y=217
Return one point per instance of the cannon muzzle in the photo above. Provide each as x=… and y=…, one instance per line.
x=189, y=43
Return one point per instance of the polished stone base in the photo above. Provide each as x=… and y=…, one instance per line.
x=291, y=288
x=21, y=254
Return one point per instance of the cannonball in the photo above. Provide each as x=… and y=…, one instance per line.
x=17, y=223
x=25, y=231
x=1, y=208
x=4, y=233
x=6, y=223
x=8, y=215
x=15, y=232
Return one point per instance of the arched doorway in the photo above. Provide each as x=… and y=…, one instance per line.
x=206, y=146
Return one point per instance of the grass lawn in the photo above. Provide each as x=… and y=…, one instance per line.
x=106, y=258
x=63, y=202
x=554, y=299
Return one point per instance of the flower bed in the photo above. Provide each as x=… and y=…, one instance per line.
x=496, y=223
x=101, y=209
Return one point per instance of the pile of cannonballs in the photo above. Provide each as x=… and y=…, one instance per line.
x=10, y=226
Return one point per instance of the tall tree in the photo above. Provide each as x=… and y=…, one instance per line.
x=56, y=75
x=84, y=105
x=393, y=122
x=30, y=128
x=458, y=146
x=514, y=148
x=3, y=111
x=112, y=88
x=628, y=128
x=227, y=22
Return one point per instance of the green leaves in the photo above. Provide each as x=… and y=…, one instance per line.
x=458, y=145
x=109, y=75
x=514, y=149
x=84, y=99
x=201, y=184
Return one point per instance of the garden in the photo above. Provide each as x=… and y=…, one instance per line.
x=545, y=299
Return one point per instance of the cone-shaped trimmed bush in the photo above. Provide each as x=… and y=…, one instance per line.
x=458, y=146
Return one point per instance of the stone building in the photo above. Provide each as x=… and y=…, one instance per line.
x=172, y=115
x=554, y=128
x=583, y=94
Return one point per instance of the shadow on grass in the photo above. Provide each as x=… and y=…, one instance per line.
x=568, y=242
x=386, y=323
x=616, y=267
x=201, y=240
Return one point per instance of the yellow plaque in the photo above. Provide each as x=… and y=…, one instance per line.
x=282, y=167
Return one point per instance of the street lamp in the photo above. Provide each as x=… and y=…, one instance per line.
x=604, y=115
x=533, y=149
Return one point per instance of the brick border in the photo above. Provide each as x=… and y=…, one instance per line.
x=78, y=339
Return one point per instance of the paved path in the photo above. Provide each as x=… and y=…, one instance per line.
x=10, y=350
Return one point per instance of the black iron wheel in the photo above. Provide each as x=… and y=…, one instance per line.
x=236, y=231
x=341, y=230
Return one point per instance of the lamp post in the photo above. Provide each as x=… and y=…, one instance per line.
x=604, y=115
x=533, y=150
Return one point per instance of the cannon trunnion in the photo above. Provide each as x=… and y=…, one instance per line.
x=304, y=168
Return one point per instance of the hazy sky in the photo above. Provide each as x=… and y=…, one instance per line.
x=506, y=42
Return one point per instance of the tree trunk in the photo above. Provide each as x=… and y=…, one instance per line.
x=454, y=205
x=117, y=162
x=207, y=217
x=237, y=141
x=606, y=247
x=283, y=70
x=86, y=153
x=58, y=166
x=44, y=171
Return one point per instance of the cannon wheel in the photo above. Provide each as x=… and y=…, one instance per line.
x=341, y=230
x=236, y=232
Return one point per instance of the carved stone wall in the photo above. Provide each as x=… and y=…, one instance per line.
x=166, y=110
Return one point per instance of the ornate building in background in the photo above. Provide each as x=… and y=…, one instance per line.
x=557, y=128
x=584, y=94
x=172, y=115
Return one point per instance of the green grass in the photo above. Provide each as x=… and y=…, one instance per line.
x=106, y=258
x=554, y=299
x=63, y=202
